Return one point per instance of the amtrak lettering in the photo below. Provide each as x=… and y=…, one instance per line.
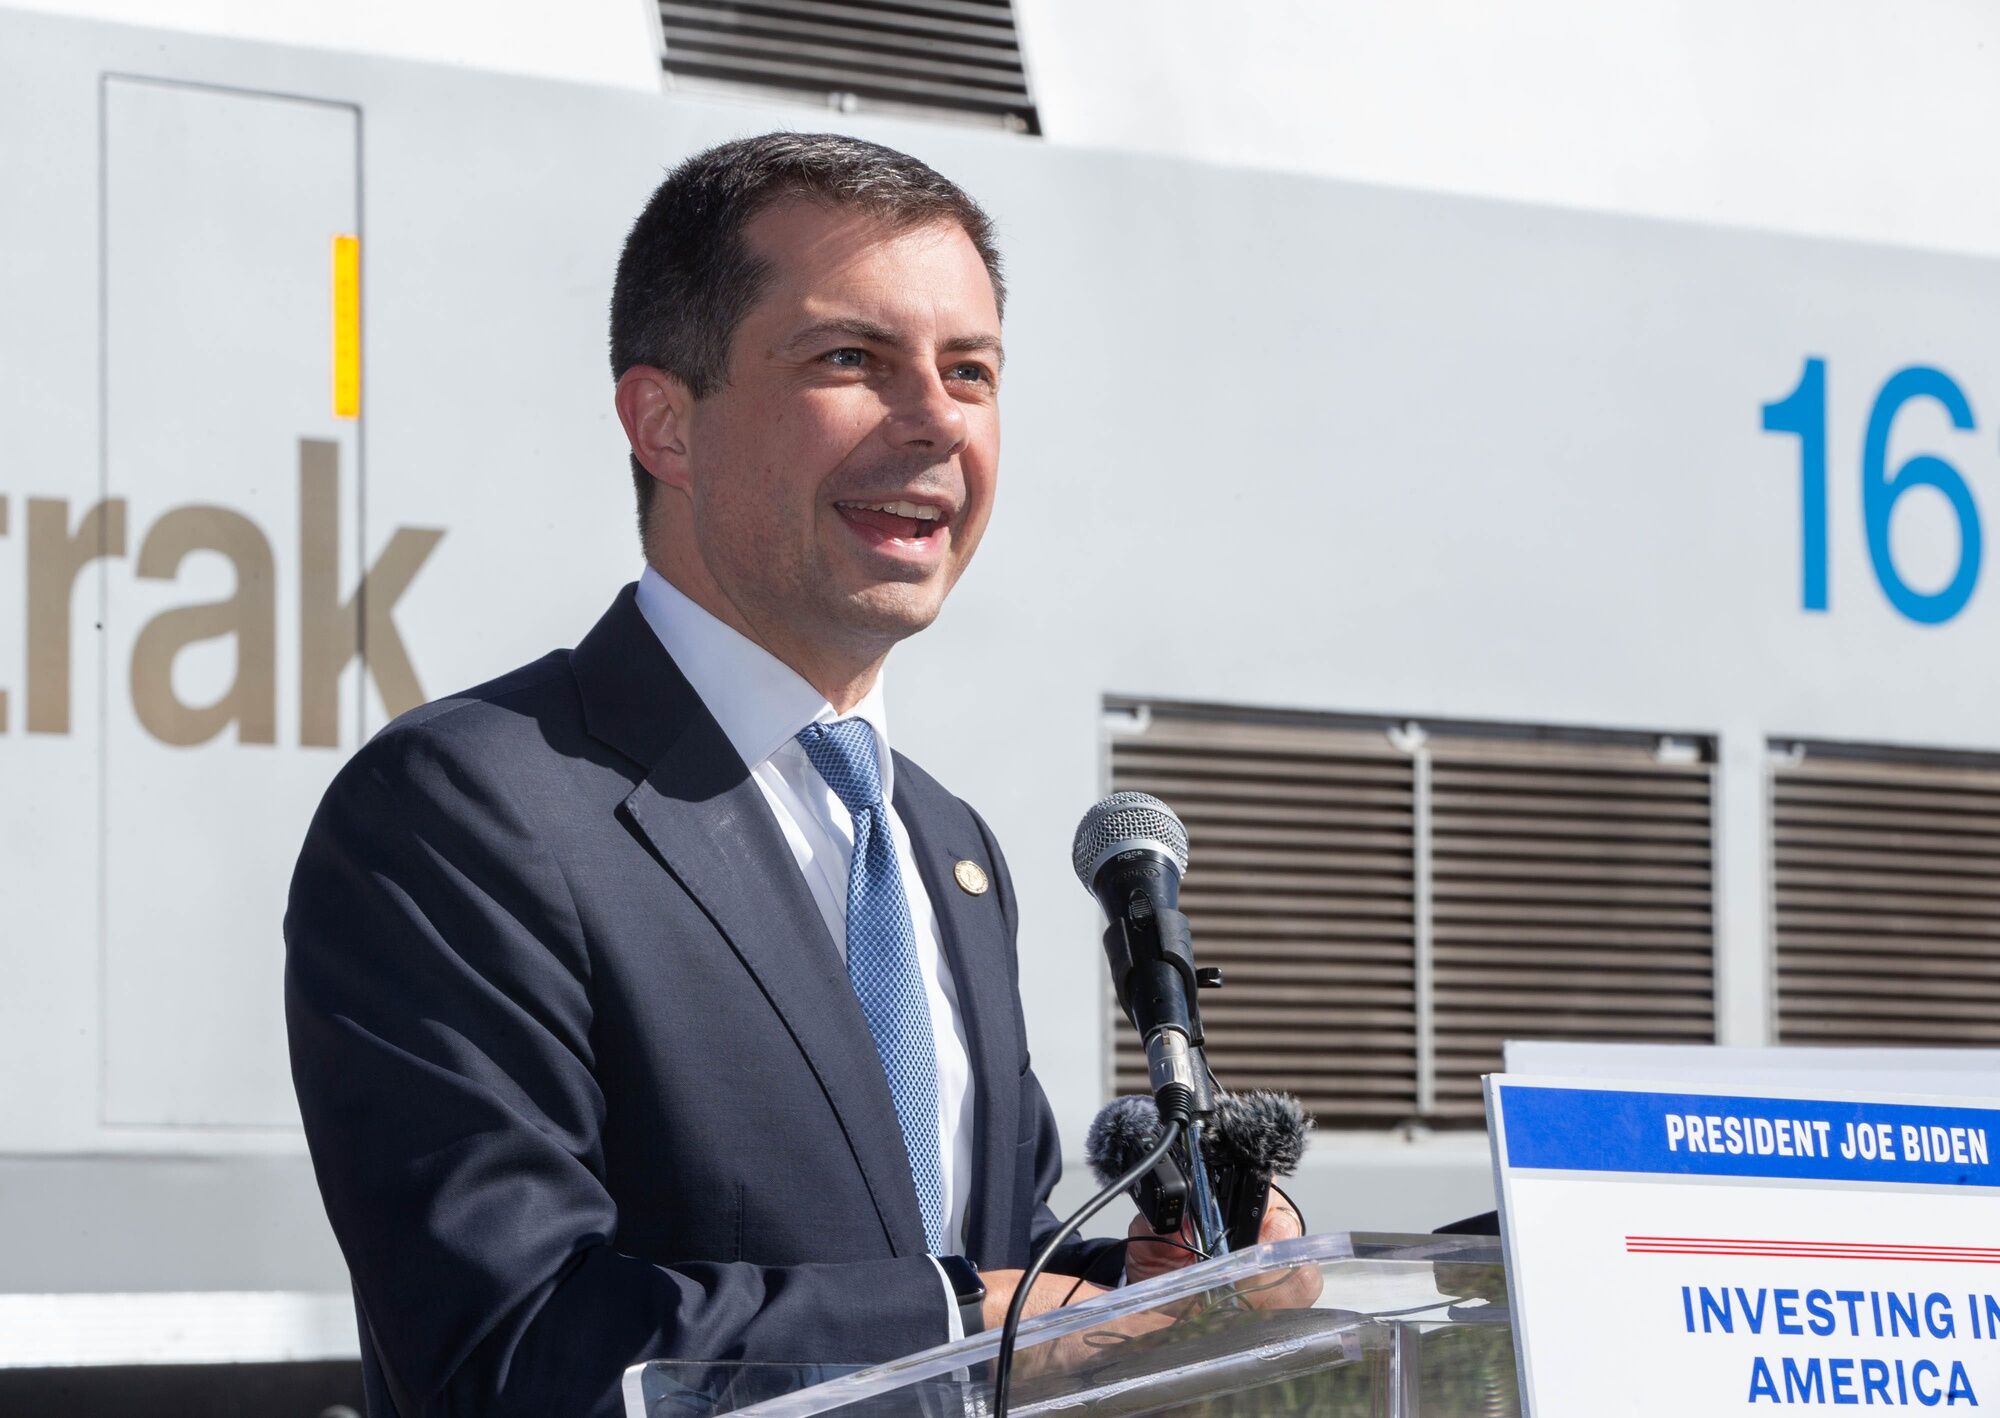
x=332, y=632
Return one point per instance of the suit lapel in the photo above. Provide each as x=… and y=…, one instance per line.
x=708, y=824
x=942, y=834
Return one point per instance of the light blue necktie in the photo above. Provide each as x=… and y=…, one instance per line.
x=882, y=953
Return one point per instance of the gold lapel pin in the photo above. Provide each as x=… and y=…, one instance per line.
x=971, y=877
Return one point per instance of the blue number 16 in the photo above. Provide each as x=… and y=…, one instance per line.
x=1803, y=414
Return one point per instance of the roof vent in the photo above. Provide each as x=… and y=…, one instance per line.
x=936, y=58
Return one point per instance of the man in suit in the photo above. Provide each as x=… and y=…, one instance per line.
x=642, y=1002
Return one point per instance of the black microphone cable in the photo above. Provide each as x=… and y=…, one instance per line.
x=1176, y=1106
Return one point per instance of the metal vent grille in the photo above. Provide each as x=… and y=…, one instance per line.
x=1886, y=882
x=959, y=57
x=1389, y=904
x=1572, y=898
x=1301, y=890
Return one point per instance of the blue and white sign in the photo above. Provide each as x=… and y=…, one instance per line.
x=1695, y=1251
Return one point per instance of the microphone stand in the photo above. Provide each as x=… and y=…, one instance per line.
x=1152, y=967
x=1211, y=1235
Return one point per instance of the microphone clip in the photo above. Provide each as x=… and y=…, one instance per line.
x=1161, y=1195
x=1242, y=1197
x=1153, y=973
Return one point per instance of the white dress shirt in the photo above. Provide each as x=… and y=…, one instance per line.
x=761, y=704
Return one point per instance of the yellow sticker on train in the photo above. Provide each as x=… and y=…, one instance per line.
x=347, y=327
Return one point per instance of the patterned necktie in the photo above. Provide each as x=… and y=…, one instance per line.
x=882, y=953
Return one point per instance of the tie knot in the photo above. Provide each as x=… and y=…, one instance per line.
x=844, y=753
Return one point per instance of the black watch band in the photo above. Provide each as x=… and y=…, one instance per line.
x=967, y=1288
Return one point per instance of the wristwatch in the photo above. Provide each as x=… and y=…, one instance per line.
x=969, y=1289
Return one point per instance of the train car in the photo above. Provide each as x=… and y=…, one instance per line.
x=1550, y=623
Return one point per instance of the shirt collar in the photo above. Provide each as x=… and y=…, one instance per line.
x=759, y=701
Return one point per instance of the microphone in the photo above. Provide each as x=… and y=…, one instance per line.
x=1125, y=1131
x=1127, y=843
x=1252, y=1139
x=1129, y=852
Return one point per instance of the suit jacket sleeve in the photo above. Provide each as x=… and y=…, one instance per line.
x=438, y=998
x=1099, y=1261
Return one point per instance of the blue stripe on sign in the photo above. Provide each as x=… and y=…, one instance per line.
x=1704, y=1134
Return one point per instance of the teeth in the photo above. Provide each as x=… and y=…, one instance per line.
x=899, y=509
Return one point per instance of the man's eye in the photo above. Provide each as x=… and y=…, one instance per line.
x=841, y=358
x=978, y=373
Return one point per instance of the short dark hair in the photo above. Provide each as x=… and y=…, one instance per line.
x=686, y=277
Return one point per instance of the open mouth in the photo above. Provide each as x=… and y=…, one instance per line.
x=900, y=521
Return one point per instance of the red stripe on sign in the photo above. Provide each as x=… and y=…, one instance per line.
x=1834, y=1245
x=1810, y=1250
x=1894, y=1252
x=1832, y=1255
x=1749, y=1241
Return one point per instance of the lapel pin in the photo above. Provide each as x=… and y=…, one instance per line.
x=971, y=877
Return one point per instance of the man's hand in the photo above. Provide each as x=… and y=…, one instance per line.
x=1148, y=1254
x=1050, y=1292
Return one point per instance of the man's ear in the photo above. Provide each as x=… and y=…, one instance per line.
x=654, y=406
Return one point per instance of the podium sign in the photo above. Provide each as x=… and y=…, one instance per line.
x=1700, y=1251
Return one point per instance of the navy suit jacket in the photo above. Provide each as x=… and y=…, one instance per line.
x=582, y=1074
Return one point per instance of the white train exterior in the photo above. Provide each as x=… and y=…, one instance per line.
x=1272, y=441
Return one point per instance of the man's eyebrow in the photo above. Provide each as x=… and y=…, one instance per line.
x=976, y=344
x=858, y=329
x=854, y=328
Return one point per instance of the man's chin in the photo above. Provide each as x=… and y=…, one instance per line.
x=892, y=610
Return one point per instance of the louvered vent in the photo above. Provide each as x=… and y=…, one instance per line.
x=1388, y=905
x=1886, y=878
x=961, y=57
x=1301, y=890
x=1571, y=899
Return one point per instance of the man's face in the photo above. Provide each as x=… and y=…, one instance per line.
x=840, y=481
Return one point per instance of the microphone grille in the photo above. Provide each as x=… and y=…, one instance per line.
x=1118, y=824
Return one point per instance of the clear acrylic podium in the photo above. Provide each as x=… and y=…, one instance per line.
x=1367, y=1326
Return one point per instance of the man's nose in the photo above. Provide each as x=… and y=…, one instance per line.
x=923, y=414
